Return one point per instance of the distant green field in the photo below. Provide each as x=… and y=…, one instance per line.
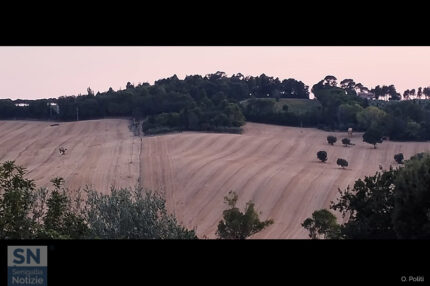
x=295, y=105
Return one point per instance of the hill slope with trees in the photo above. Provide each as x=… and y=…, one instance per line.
x=392, y=204
x=219, y=103
x=208, y=103
x=274, y=166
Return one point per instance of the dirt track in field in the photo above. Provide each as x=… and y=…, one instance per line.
x=274, y=166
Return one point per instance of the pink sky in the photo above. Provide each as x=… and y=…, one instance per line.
x=43, y=72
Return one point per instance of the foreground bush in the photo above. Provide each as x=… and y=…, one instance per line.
x=27, y=212
x=322, y=225
x=238, y=225
x=132, y=214
x=392, y=204
x=30, y=213
x=17, y=217
x=411, y=213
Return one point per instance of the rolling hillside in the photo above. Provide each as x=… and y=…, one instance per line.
x=275, y=166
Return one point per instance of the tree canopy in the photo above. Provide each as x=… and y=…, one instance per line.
x=240, y=225
x=392, y=204
x=221, y=103
x=322, y=225
x=322, y=156
x=373, y=136
x=27, y=212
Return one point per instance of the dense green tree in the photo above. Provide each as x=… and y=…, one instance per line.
x=234, y=115
x=426, y=92
x=392, y=204
x=27, y=213
x=39, y=109
x=322, y=225
x=372, y=136
x=342, y=162
x=88, y=108
x=60, y=221
x=347, y=83
x=129, y=85
x=217, y=102
x=405, y=120
x=406, y=110
x=30, y=213
x=332, y=98
x=349, y=86
x=419, y=92
x=322, y=155
x=368, y=207
x=411, y=214
x=359, y=86
x=132, y=214
x=16, y=198
x=377, y=91
x=413, y=130
x=369, y=117
x=346, y=142
x=406, y=94
x=387, y=92
x=347, y=115
x=330, y=80
x=240, y=225
x=331, y=139
x=292, y=88
x=394, y=95
x=260, y=107
x=7, y=109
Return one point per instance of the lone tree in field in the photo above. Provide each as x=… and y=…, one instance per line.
x=322, y=155
x=342, y=162
x=331, y=139
x=399, y=158
x=322, y=225
x=372, y=136
x=238, y=225
x=346, y=142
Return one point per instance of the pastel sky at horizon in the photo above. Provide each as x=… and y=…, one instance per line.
x=45, y=72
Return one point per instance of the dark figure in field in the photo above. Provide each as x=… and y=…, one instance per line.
x=399, y=158
x=62, y=150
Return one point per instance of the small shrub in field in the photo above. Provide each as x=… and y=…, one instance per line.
x=240, y=225
x=322, y=155
x=331, y=139
x=346, y=142
x=342, y=162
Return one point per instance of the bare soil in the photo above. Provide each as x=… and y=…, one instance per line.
x=274, y=166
